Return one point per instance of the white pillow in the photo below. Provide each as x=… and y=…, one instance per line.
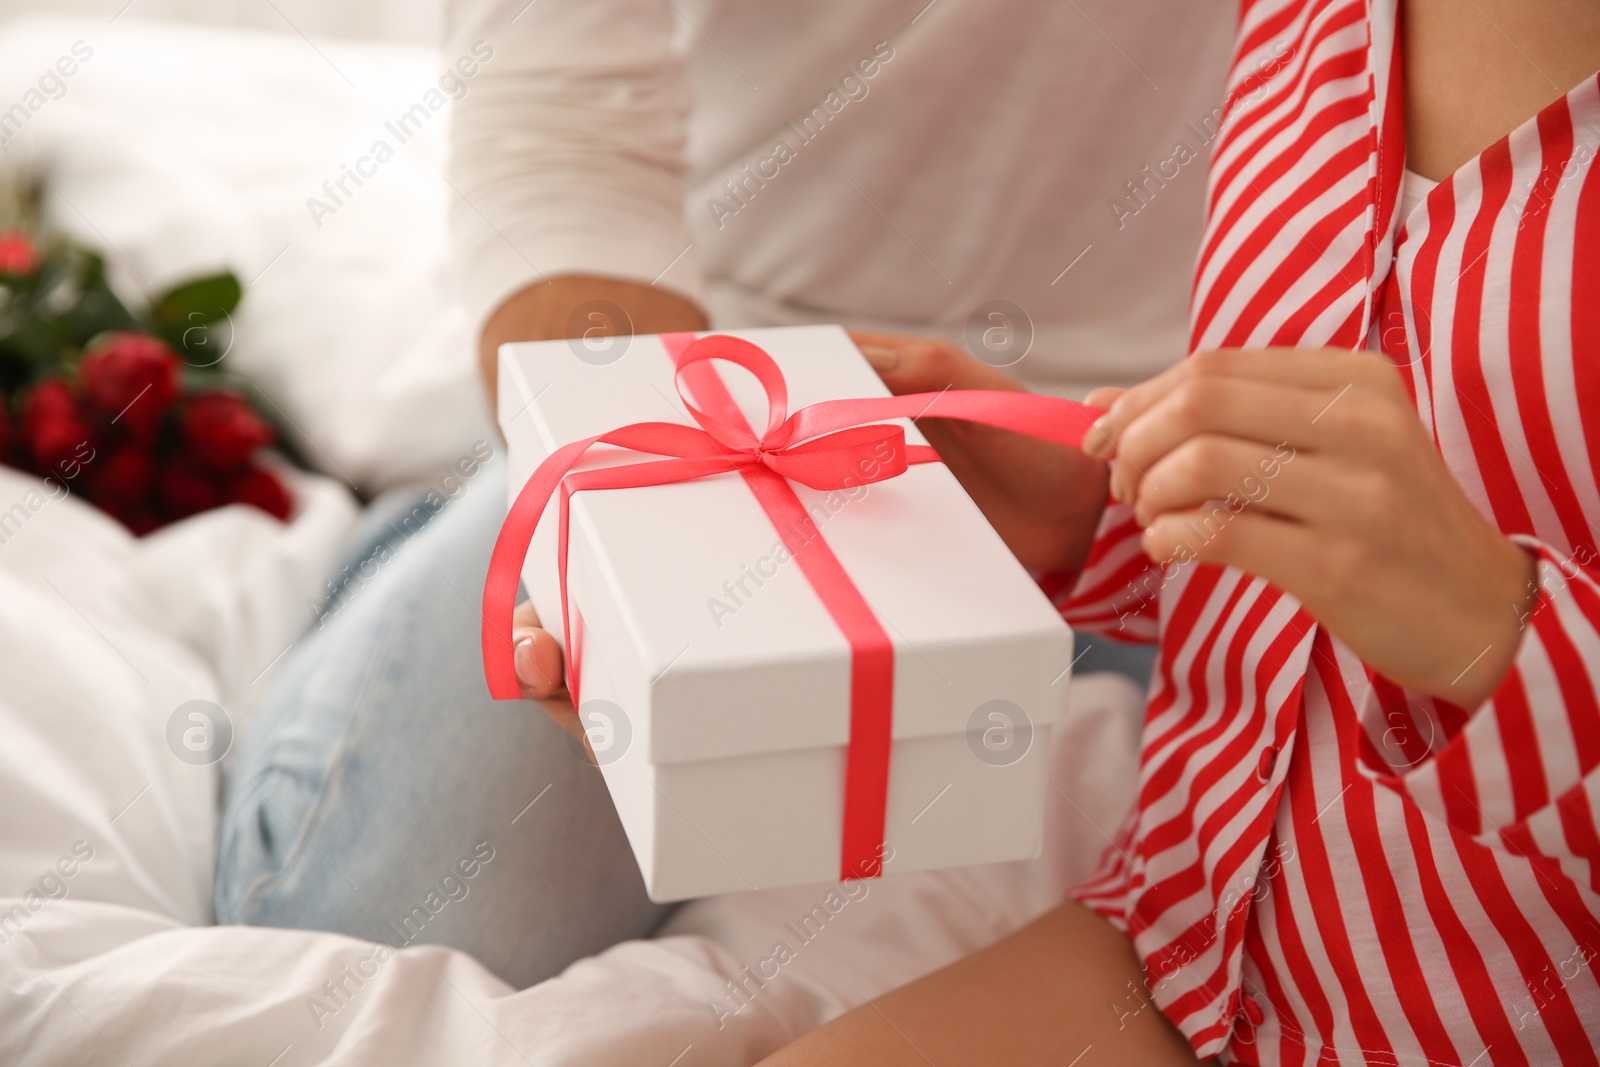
x=180, y=149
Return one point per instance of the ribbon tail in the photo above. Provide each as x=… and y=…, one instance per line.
x=1049, y=418
x=505, y=567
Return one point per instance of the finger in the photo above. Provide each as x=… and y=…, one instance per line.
x=1098, y=442
x=1266, y=413
x=1282, y=551
x=1102, y=438
x=928, y=365
x=881, y=338
x=882, y=350
x=1103, y=397
x=537, y=659
x=1327, y=372
x=1211, y=472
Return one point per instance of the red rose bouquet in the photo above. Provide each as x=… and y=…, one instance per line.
x=124, y=406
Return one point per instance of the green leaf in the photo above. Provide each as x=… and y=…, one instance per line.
x=197, y=303
x=185, y=316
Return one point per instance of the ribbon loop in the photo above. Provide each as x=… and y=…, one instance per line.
x=757, y=362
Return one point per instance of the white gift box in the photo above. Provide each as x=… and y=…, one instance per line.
x=716, y=687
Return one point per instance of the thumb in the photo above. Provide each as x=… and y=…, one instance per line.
x=537, y=658
x=910, y=364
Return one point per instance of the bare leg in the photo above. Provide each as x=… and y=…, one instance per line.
x=1053, y=993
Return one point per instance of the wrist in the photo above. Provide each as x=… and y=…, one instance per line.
x=1510, y=592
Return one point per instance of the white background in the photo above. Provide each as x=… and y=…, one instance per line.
x=406, y=21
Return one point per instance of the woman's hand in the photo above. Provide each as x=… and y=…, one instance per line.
x=1332, y=490
x=1043, y=499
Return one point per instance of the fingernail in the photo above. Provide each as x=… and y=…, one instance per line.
x=1097, y=442
x=882, y=359
x=522, y=657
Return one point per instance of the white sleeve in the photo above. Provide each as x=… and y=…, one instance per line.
x=567, y=151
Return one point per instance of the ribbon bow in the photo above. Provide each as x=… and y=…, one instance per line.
x=834, y=444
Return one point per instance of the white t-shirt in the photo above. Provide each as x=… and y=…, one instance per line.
x=895, y=164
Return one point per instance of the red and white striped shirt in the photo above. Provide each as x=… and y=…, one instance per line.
x=1320, y=866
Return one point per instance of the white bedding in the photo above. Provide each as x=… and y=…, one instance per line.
x=187, y=149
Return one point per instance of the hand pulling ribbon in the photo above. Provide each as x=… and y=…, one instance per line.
x=836, y=444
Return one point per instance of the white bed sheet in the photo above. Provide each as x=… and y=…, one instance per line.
x=102, y=636
x=188, y=149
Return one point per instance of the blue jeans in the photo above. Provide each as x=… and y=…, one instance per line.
x=379, y=792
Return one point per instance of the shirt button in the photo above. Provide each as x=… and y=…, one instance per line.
x=1269, y=760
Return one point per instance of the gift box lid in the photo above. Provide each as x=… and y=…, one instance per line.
x=687, y=590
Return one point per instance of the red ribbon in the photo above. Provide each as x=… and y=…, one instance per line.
x=835, y=444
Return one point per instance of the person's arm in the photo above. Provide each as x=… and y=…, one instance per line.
x=566, y=168
x=1349, y=507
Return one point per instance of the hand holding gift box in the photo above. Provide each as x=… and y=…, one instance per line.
x=825, y=664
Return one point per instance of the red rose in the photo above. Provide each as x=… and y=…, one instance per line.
x=185, y=488
x=55, y=434
x=18, y=254
x=130, y=380
x=261, y=488
x=121, y=481
x=221, y=430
